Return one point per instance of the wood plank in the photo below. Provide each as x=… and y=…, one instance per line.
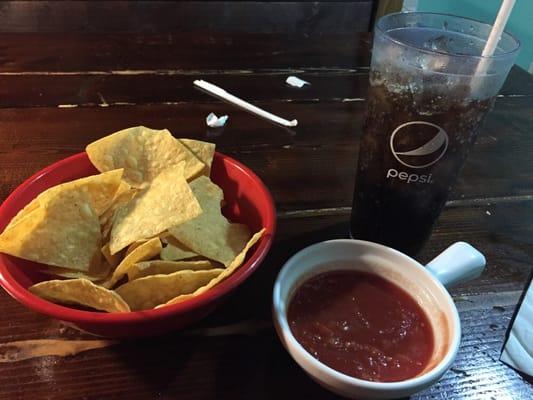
x=477, y=373
x=318, y=157
x=151, y=88
x=48, y=52
x=163, y=16
x=236, y=350
x=243, y=365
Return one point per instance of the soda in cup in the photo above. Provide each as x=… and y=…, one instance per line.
x=429, y=92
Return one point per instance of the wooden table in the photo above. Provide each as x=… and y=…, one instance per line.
x=59, y=92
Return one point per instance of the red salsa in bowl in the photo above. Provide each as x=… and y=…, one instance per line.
x=362, y=325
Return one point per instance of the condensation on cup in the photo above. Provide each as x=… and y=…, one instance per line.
x=429, y=92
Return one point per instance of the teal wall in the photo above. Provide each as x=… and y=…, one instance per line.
x=520, y=23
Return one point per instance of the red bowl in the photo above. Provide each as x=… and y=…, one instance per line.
x=248, y=201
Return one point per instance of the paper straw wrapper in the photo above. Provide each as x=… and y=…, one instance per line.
x=219, y=92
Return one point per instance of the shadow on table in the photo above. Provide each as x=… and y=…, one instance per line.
x=153, y=363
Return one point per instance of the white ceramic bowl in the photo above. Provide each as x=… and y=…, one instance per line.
x=426, y=285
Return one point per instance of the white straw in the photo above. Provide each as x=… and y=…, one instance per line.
x=495, y=34
x=498, y=27
x=218, y=91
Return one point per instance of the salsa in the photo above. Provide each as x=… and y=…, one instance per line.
x=361, y=325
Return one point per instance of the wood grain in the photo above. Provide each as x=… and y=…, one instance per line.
x=145, y=88
x=162, y=16
x=242, y=366
x=318, y=157
x=75, y=52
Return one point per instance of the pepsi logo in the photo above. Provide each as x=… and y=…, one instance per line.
x=418, y=144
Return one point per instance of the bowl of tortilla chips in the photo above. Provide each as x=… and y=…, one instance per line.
x=141, y=234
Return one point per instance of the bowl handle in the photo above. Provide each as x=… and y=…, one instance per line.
x=458, y=263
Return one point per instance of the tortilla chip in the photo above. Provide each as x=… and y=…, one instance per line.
x=235, y=264
x=82, y=292
x=143, y=252
x=203, y=150
x=106, y=219
x=63, y=232
x=123, y=194
x=173, y=249
x=122, y=188
x=95, y=275
x=146, y=293
x=112, y=259
x=143, y=153
x=31, y=206
x=164, y=236
x=134, y=245
x=173, y=252
x=166, y=202
x=101, y=188
x=211, y=234
x=159, y=267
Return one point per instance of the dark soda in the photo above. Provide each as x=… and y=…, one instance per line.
x=430, y=90
x=411, y=152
